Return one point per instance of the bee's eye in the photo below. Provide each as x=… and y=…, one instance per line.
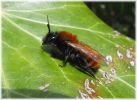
x=52, y=38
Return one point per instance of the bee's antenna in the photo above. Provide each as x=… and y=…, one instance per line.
x=48, y=25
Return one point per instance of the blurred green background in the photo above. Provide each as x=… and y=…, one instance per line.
x=119, y=15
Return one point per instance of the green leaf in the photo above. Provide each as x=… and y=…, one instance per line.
x=26, y=67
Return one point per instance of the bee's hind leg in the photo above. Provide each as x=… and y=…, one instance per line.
x=82, y=65
x=89, y=70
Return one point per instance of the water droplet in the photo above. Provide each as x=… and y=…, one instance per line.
x=120, y=55
x=108, y=59
x=87, y=88
x=105, y=75
x=86, y=83
x=128, y=54
x=108, y=78
x=83, y=95
x=113, y=71
x=111, y=77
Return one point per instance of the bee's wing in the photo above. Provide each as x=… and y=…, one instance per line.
x=87, y=51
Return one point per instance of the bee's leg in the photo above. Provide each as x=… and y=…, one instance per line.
x=89, y=70
x=67, y=56
x=84, y=67
x=66, y=60
x=81, y=64
x=81, y=60
x=86, y=70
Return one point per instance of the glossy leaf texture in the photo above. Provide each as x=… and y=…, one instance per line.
x=30, y=72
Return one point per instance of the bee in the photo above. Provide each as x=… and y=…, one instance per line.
x=66, y=46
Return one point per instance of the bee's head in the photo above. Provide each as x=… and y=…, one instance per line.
x=51, y=37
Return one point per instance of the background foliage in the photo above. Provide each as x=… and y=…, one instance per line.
x=119, y=15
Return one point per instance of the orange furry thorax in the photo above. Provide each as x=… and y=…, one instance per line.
x=68, y=36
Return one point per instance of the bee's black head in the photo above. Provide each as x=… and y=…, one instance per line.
x=51, y=37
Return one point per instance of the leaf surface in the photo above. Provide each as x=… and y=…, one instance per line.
x=26, y=66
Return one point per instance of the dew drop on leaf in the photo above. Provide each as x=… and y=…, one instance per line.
x=87, y=88
x=84, y=95
x=109, y=59
x=128, y=53
x=120, y=55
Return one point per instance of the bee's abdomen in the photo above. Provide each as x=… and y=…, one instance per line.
x=93, y=64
